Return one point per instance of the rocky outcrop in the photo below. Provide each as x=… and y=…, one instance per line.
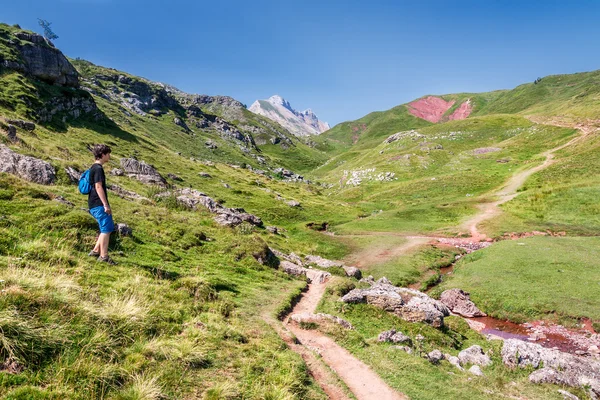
x=325, y=263
x=558, y=367
x=27, y=125
x=124, y=229
x=394, y=337
x=313, y=275
x=459, y=302
x=141, y=171
x=277, y=109
x=124, y=193
x=191, y=198
x=73, y=174
x=26, y=167
x=410, y=305
x=40, y=59
x=69, y=107
x=319, y=318
x=435, y=356
x=474, y=355
x=11, y=132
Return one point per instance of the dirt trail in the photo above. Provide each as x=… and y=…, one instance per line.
x=509, y=191
x=379, y=254
x=362, y=381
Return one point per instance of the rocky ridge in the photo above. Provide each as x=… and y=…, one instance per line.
x=276, y=108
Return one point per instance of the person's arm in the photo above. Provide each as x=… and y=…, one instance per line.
x=102, y=196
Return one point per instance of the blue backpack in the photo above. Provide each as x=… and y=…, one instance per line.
x=85, y=187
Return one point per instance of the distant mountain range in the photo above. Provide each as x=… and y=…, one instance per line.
x=277, y=109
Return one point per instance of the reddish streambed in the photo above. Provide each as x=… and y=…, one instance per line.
x=574, y=341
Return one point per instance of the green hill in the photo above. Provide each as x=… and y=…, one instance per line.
x=190, y=310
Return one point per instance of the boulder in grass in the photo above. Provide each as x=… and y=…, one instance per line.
x=474, y=355
x=29, y=168
x=554, y=366
x=459, y=302
x=410, y=305
x=352, y=272
x=141, y=171
x=124, y=229
x=435, y=356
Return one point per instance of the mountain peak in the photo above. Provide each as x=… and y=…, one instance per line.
x=280, y=110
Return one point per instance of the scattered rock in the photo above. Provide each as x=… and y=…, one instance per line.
x=474, y=355
x=204, y=175
x=226, y=186
x=211, y=145
x=459, y=302
x=11, y=133
x=435, y=356
x=179, y=122
x=143, y=172
x=475, y=370
x=272, y=229
x=404, y=348
x=410, y=305
x=558, y=367
x=320, y=317
x=174, y=177
x=125, y=194
x=64, y=201
x=322, y=262
x=26, y=167
x=293, y=203
x=393, y=337
x=124, y=229
x=314, y=276
x=567, y=396
x=117, y=172
x=191, y=198
x=352, y=272
x=454, y=361
x=73, y=174
x=28, y=126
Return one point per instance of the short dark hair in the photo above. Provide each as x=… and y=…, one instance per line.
x=99, y=150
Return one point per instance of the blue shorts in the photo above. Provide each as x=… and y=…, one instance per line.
x=105, y=221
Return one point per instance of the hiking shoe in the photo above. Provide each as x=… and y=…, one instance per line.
x=107, y=260
x=93, y=254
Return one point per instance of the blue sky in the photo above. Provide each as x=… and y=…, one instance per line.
x=343, y=59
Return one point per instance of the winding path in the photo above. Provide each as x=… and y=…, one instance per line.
x=360, y=379
x=509, y=190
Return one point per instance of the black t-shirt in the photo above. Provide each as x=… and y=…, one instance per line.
x=96, y=175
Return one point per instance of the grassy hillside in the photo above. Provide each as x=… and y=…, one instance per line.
x=186, y=312
x=440, y=171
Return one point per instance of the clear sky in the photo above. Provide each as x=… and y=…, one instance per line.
x=343, y=59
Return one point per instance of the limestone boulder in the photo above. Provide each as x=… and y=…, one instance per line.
x=474, y=355
x=410, y=305
x=25, y=167
x=43, y=61
x=142, y=171
x=459, y=302
x=554, y=366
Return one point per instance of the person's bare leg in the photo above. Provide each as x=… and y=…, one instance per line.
x=103, y=240
x=96, y=248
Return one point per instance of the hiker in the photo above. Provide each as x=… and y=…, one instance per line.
x=99, y=205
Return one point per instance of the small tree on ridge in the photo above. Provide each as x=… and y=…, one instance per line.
x=48, y=33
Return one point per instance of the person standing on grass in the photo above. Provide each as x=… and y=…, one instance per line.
x=99, y=205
